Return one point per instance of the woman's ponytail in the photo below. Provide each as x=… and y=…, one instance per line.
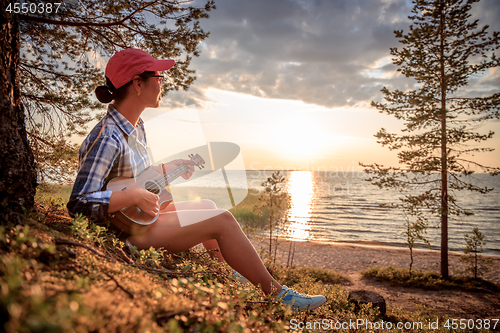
x=108, y=92
x=103, y=94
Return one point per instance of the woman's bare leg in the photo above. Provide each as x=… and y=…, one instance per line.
x=220, y=225
x=210, y=245
x=214, y=250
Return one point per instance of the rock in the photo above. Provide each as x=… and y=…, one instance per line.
x=359, y=297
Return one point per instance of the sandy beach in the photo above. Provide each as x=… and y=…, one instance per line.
x=349, y=259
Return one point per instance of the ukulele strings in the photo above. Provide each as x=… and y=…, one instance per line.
x=176, y=173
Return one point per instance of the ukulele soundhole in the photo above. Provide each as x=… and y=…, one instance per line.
x=152, y=187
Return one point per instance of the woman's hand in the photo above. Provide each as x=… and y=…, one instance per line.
x=147, y=201
x=175, y=163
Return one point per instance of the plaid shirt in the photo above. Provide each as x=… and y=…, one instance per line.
x=114, y=148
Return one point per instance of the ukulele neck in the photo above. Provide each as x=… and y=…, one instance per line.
x=170, y=176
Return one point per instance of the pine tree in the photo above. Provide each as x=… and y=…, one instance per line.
x=442, y=51
x=476, y=264
x=62, y=51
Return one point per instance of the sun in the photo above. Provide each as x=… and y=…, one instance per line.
x=301, y=136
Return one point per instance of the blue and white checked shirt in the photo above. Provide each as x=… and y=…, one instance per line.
x=114, y=148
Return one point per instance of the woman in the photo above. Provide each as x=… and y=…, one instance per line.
x=116, y=147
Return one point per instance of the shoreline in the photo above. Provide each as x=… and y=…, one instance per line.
x=381, y=245
x=390, y=246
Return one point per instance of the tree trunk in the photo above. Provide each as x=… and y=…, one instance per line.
x=17, y=164
x=411, y=260
x=444, y=204
x=444, y=159
x=271, y=216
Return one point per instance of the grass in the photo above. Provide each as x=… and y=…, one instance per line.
x=246, y=214
x=426, y=280
x=290, y=276
x=243, y=211
x=64, y=288
x=94, y=283
x=47, y=192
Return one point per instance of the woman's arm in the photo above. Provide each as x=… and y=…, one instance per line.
x=145, y=200
x=175, y=163
x=96, y=159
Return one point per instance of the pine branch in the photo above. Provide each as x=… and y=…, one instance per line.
x=485, y=167
x=123, y=46
x=60, y=241
x=39, y=19
x=118, y=285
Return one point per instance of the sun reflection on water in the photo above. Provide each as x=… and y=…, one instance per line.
x=300, y=186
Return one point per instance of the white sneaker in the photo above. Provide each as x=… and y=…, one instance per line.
x=300, y=301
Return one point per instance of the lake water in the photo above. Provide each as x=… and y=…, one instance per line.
x=342, y=207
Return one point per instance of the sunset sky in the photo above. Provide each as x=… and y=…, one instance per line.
x=291, y=81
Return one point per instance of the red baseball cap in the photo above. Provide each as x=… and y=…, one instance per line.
x=125, y=64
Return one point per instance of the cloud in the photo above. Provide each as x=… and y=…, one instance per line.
x=317, y=51
x=488, y=12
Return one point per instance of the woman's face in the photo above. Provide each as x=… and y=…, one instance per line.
x=152, y=91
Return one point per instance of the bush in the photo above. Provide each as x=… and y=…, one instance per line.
x=426, y=280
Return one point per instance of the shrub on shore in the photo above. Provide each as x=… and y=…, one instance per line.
x=476, y=264
x=425, y=280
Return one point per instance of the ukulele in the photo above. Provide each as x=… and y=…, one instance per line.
x=132, y=219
